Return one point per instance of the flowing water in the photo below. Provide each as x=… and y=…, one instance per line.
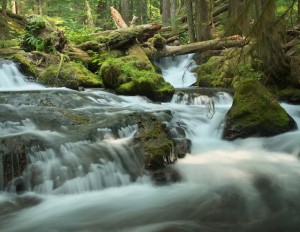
x=177, y=70
x=246, y=185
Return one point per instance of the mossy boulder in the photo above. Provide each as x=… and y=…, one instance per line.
x=71, y=75
x=291, y=95
x=131, y=75
x=26, y=64
x=154, y=142
x=255, y=112
x=158, y=41
x=228, y=69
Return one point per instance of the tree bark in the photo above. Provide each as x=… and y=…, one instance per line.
x=216, y=44
x=40, y=7
x=173, y=14
x=135, y=48
x=90, y=21
x=13, y=7
x=125, y=10
x=298, y=10
x=4, y=7
x=190, y=20
x=202, y=20
x=166, y=14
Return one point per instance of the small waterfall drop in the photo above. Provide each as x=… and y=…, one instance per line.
x=11, y=79
x=178, y=70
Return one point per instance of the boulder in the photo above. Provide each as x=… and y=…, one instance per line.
x=255, y=112
x=131, y=75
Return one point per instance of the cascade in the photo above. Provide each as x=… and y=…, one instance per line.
x=11, y=79
x=98, y=183
x=178, y=70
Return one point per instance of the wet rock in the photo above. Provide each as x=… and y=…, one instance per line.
x=255, y=112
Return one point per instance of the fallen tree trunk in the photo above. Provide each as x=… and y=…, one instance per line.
x=135, y=48
x=216, y=44
x=120, y=38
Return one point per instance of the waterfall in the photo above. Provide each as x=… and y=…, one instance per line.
x=11, y=79
x=96, y=181
x=178, y=70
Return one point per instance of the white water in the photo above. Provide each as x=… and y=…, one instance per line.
x=177, y=70
x=246, y=185
x=11, y=79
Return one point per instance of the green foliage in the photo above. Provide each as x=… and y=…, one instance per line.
x=78, y=36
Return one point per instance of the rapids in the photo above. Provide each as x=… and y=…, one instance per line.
x=246, y=185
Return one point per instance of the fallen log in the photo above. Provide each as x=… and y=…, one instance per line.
x=215, y=44
x=135, y=48
x=120, y=38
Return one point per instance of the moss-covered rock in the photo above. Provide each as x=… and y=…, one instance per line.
x=131, y=75
x=255, y=112
x=155, y=143
x=228, y=69
x=71, y=75
x=26, y=64
x=158, y=41
x=291, y=95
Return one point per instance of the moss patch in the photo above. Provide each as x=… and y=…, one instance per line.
x=255, y=112
x=131, y=75
x=228, y=70
x=26, y=64
x=71, y=75
x=154, y=142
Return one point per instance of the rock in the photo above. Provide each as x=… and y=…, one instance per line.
x=154, y=143
x=71, y=75
x=255, y=112
x=131, y=75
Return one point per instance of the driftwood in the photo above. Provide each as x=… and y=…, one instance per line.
x=216, y=44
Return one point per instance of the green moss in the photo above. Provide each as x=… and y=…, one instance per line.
x=26, y=64
x=155, y=143
x=290, y=95
x=71, y=75
x=228, y=70
x=131, y=75
x=255, y=111
x=158, y=41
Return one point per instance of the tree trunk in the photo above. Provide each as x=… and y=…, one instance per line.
x=14, y=7
x=142, y=11
x=216, y=44
x=102, y=15
x=4, y=7
x=135, y=48
x=173, y=14
x=202, y=20
x=166, y=14
x=268, y=50
x=190, y=20
x=298, y=10
x=89, y=21
x=40, y=7
x=125, y=10
x=238, y=17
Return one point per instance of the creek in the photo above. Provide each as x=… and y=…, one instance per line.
x=99, y=184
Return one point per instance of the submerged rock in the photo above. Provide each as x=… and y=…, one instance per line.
x=255, y=112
